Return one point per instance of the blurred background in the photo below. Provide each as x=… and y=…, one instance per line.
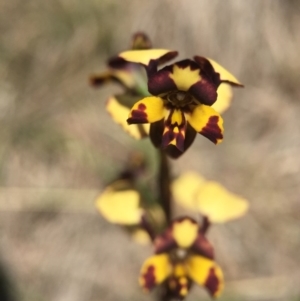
x=58, y=145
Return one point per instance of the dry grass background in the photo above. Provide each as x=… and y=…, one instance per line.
x=58, y=144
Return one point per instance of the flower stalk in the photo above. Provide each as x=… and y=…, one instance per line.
x=164, y=184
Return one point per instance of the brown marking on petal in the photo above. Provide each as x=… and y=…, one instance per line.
x=142, y=107
x=164, y=242
x=151, y=70
x=203, y=247
x=212, y=130
x=160, y=82
x=207, y=69
x=212, y=282
x=205, y=91
x=117, y=63
x=187, y=63
x=167, y=137
x=174, y=130
x=97, y=80
x=139, y=115
x=170, y=135
x=167, y=57
x=178, y=288
x=190, y=136
x=149, y=277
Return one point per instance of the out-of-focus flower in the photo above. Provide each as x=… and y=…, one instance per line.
x=127, y=202
x=119, y=203
x=209, y=198
x=132, y=78
x=183, y=256
x=183, y=97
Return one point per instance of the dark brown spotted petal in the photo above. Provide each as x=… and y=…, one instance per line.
x=97, y=80
x=204, y=91
x=207, y=68
x=117, y=63
x=213, y=131
x=167, y=57
x=164, y=242
x=119, y=111
x=188, y=77
x=225, y=75
x=190, y=136
x=174, y=131
x=160, y=82
x=156, y=136
x=155, y=270
x=177, y=288
x=207, y=273
x=149, y=109
x=127, y=77
x=205, y=120
x=173, y=136
x=203, y=247
x=214, y=282
x=178, y=76
x=184, y=76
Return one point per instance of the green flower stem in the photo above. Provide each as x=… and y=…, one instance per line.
x=164, y=183
x=164, y=186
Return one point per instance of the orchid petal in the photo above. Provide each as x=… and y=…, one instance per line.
x=148, y=110
x=205, y=120
x=207, y=273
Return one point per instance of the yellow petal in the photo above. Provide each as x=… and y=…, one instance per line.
x=119, y=114
x=185, y=187
x=205, y=120
x=148, y=110
x=207, y=273
x=185, y=232
x=155, y=270
x=184, y=78
x=141, y=237
x=145, y=56
x=125, y=77
x=220, y=205
x=120, y=207
x=224, y=74
x=224, y=98
x=102, y=78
